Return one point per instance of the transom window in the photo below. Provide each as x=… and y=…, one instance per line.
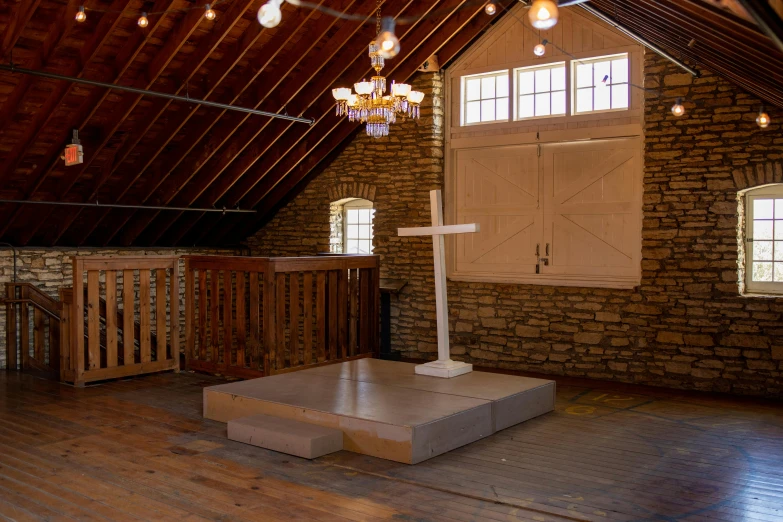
x=541, y=91
x=764, y=240
x=358, y=216
x=485, y=98
x=601, y=84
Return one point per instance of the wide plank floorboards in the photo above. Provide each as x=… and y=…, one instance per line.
x=139, y=449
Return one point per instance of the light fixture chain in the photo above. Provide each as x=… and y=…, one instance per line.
x=378, y=19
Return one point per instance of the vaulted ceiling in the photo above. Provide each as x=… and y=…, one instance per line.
x=141, y=150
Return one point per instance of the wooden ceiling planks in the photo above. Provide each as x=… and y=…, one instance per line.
x=148, y=151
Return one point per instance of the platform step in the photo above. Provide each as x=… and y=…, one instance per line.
x=293, y=437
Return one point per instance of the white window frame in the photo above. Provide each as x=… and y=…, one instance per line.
x=357, y=204
x=518, y=95
x=772, y=192
x=590, y=61
x=464, y=101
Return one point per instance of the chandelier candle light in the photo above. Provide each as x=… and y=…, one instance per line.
x=369, y=103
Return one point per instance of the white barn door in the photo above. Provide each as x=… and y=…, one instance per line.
x=591, y=201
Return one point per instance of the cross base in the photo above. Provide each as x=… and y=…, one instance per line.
x=444, y=369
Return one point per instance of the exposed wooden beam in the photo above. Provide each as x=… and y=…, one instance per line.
x=311, y=68
x=226, y=22
x=271, y=53
x=431, y=34
x=21, y=14
x=87, y=109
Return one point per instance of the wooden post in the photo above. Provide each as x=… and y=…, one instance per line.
x=128, y=317
x=77, y=323
x=174, y=311
x=214, y=314
x=280, y=324
x=255, y=334
x=93, y=320
x=144, y=315
x=293, y=307
x=160, y=314
x=320, y=315
x=307, y=333
x=39, y=339
x=111, y=318
x=24, y=327
x=190, y=312
x=202, y=314
x=269, y=353
x=10, y=325
x=240, y=311
x=228, y=302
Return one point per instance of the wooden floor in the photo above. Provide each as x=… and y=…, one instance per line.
x=140, y=450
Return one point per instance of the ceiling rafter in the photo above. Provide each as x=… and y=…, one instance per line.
x=302, y=101
x=336, y=130
x=45, y=114
x=88, y=108
x=181, y=159
x=22, y=12
x=223, y=26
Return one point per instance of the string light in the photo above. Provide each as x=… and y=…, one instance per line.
x=269, y=15
x=763, y=120
x=387, y=42
x=490, y=8
x=210, y=14
x=81, y=16
x=143, y=21
x=540, y=49
x=543, y=14
x=678, y=109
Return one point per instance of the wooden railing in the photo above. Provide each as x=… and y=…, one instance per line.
x=106, y=340
x=33, y=330
x=252, y=316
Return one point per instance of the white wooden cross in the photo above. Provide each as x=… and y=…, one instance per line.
x=444, y=366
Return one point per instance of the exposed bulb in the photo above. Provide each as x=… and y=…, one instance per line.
x=763, y=120
x=678, y=109
x=543, y=14
x=143, y=21
x=269, y=15
x=81, y=16
x=387, y=42
x=540, y=49
x=210, y=14
x=490, y=8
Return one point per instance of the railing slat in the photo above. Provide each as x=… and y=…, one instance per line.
x=39, y=339
x=333, y=315
x=240, y=311
x=280, y=325
x=24, y=337
x=160, y=314
x=202, y=314
x=320, y=315
x=54, y=343
x=254, y=313
x=93, y=320
x=354, y=303
x=307, y=328
x=190, y=313
x=11, y=333
x=214, y=316
x=111, y=318
x=293, y=337
x=228, y=304
x=269, y=321
x=144, y=316
x=128, y=319
x=174, y=317
x=342, y=312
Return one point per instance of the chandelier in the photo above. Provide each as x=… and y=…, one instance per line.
x=369, y=103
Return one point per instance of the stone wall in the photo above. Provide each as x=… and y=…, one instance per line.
x=686, y=326
x=51, y=269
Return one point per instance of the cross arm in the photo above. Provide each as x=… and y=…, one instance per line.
x=441, y=230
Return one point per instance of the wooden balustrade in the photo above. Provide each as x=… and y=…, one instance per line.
x=252, y=316
x=33, y=330
x=106, y=339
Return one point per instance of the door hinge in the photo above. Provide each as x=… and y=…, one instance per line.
x=538, y=151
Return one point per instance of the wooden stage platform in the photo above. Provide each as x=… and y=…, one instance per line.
x=384, y=409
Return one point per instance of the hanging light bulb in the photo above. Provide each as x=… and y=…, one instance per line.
x=491, y=8
x=81, y=16
x=143, y=21
x=540, y=49
x=387, y=42
x=269, y=15
x=210, y=14
x=678, y=109
x=543, y=14
x=763, y=119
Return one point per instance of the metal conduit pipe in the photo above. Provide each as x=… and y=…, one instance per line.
x=145, y=92
x=130, y=207
x=598, y=14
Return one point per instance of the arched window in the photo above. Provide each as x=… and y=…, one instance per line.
x=763, y=240
x=351, y=226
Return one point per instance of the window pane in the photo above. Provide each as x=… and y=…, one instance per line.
x=602, y=98
x=584, y=75
x=542, y=104
x=488, y=110
x=502, y=86
x=778, y=228
x=542, y=80
x=526, y=82
x=762, y=209
x=779, y=208
x=487, y=87
x=501, y=110
x=558, y=102
x=364, y=215
x=473, y=113
x=778, y=251
x=762, y=229
x=620, y=96
x=364, y=232
x=558, y=78
x=353, y=216
x=762, y=250
x=352, y=246
x=353, y=231
x=778, y=275
x=762, y=272
x=472, y=89
x=600, y=70
x=584, y=100
x=620, y=70
x=526, y=106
